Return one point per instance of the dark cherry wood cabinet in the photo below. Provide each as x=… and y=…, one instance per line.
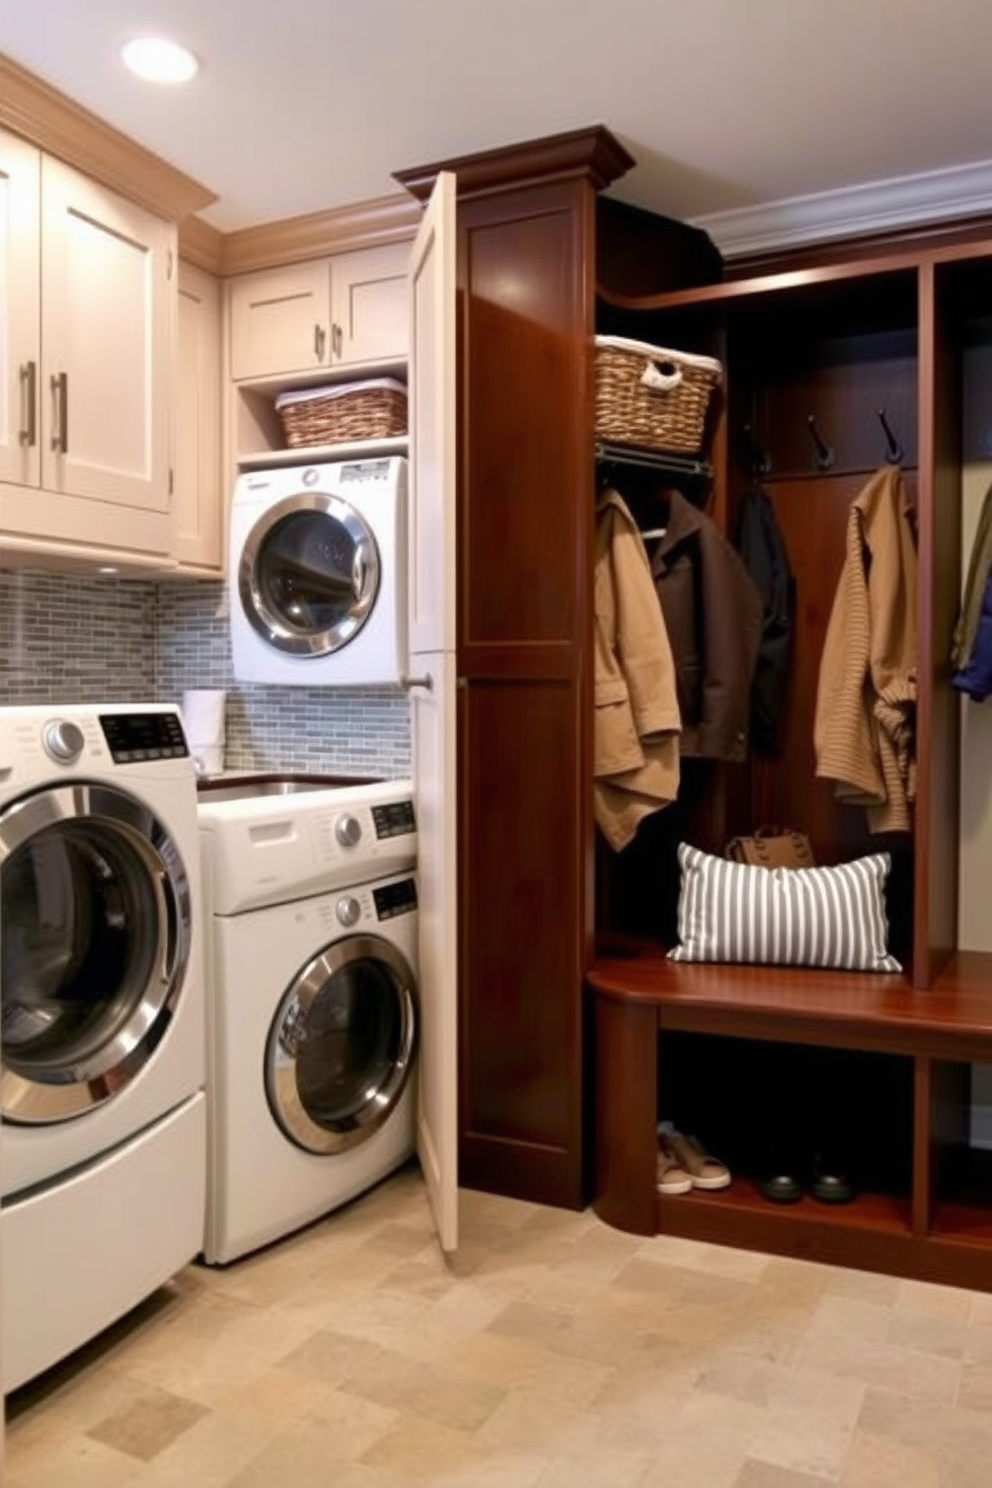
x=575, y=1032
x=530, y=226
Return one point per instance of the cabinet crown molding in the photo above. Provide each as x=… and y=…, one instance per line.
x=48, y=119
x=369, y=224
x=592, y=152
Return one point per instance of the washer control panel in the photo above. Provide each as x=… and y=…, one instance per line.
x=133, y=738
x=394, y=819
x=395, y=899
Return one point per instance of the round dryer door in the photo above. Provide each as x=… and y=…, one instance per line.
x=309, y=574
x=95, y=906
x=341, y=1047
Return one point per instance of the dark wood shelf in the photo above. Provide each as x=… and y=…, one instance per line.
x=885, y=1213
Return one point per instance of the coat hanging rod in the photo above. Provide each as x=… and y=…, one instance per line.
x=622, y=454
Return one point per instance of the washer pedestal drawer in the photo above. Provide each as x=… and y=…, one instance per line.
x=80, y=1252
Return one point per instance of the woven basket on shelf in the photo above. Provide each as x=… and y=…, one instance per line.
x=374, y=409
x=652, y=397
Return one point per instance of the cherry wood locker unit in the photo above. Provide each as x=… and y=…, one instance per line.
x=832, y=368
x=530, y=228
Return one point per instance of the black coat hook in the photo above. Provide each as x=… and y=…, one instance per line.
x=894, y=451
x=759, y=458
x=824, y=457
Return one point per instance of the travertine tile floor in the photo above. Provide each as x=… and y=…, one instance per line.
x=554, y=1353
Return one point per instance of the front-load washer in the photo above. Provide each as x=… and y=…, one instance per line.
x=313, y=1007
x=103, y=1133
x=317, y=574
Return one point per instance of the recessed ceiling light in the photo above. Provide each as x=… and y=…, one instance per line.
x=107, y=568
x=159, y=61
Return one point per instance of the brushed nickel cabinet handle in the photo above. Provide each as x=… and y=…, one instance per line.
x=29, y=404
x=60, y=400
x=319, y=341
x=337, y=338
x=426, y=681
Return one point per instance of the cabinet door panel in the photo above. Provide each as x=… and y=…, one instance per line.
x=281, y=320
x=198, y=494
x=107, y=327
x=522, y=863
x=432, y=722
x=528, y=460
x=19, y=312
x=369, y=299
x=432, y=421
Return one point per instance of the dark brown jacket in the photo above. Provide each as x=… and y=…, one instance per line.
x=713, y=614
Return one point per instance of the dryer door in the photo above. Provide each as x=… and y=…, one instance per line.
x=95, y=906
x=309, y=574
x=342, y=1043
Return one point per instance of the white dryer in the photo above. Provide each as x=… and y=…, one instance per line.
x=313, y=1004
x=103, y=1141
x=317, y=574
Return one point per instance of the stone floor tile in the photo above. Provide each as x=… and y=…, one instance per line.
x=147, y=1425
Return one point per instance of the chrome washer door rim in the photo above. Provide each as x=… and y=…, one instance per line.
x=66, y=1089
x=271, y=626
x=280, y=1062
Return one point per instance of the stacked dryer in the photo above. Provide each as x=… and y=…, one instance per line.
x=313, y=1007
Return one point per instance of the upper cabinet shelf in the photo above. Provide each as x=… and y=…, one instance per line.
x=317, y=454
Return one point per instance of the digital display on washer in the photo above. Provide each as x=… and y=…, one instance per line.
x=395, y=899
x=134, y=737
x=395, y=819
x=364, y=470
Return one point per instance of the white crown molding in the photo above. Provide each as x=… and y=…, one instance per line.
x=852, y=211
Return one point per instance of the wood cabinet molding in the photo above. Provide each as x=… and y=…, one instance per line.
x=369, y=224
x=36, y=111
x=592, y=152
x=201, y=244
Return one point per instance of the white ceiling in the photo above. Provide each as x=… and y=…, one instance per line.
x=307, y=104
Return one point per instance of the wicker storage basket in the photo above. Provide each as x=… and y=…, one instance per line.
x=373, y=409
x=652, y=397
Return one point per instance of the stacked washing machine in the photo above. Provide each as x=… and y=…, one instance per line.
x=310, y=905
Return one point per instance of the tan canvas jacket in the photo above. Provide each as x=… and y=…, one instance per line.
x=865, y=720
x=636, y=733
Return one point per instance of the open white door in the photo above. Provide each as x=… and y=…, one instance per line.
x=432, y=694
x=433, y=432
x=432, y=722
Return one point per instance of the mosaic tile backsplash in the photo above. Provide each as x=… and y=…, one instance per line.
x=66, y=638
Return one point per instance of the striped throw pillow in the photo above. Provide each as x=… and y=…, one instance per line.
x=784, y=916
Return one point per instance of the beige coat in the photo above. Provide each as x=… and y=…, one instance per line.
x=636, y=736
x=865, y=722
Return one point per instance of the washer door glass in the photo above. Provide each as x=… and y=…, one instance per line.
x=309, y=575
x=94, y=902
x=342, y=1043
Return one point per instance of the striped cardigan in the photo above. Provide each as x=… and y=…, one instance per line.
x=865, y=721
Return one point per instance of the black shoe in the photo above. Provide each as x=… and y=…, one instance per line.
x=780, y=1186
x=831, y=1182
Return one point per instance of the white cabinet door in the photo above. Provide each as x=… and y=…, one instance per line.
x=433, y=730
x=19, y=311
x=107, y=327
x=433, y=374
x=369, y=298
x=281, y=320
x=198, y=495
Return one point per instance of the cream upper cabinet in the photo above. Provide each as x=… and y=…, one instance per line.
x=370, y=298
x=330, y=312
x=94, y=379
x=281, y=320
x=20, y=459
x=198, y=490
